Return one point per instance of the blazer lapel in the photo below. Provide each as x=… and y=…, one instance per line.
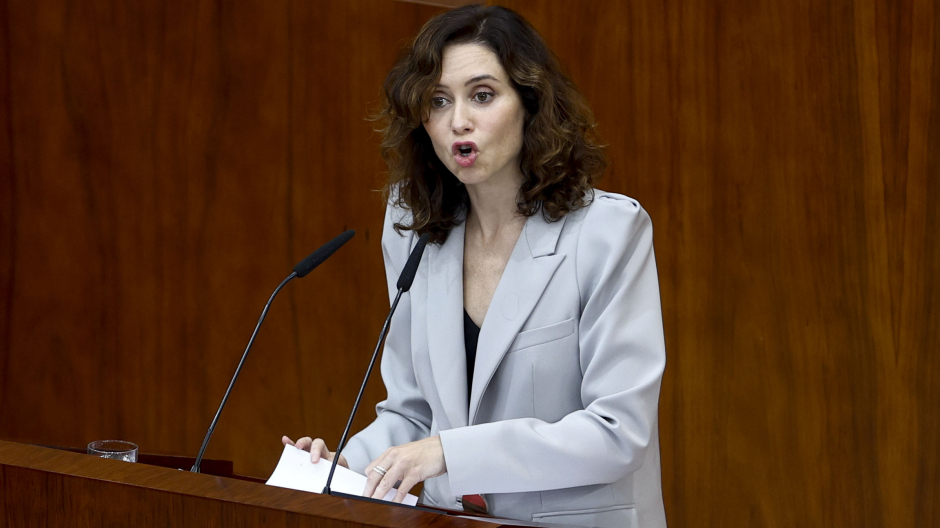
x=527, y=274
x=448, y=356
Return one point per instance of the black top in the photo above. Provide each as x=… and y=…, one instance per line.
x=471, y=332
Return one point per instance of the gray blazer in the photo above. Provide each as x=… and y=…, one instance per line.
x=561, y=423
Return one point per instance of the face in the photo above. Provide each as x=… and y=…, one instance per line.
x=476, y=118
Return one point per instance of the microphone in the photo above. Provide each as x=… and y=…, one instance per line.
x=319, y=256
x=405, y=280
x=300, y=270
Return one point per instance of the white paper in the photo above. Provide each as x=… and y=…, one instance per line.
x=295, y=471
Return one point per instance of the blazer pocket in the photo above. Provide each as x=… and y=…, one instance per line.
x=623, y=515
x=545, y=334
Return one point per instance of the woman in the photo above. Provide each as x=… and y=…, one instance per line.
x=526, y=361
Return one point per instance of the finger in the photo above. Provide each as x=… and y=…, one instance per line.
x=373, y=477
x=382, y=458
x=318, y=450
x=388, y=482
x=303, y=443
x=286, y=441
x=406, y=484
x=372, y=481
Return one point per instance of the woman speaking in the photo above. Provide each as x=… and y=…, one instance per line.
x=525, y=363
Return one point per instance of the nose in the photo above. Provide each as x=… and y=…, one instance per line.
x=461, y=119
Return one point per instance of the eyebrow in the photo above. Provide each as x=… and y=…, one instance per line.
x=479, y=78
x=472, y=80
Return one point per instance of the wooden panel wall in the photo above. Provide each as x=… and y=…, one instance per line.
x=164, y=165
x=168, y=164
x=789, y=154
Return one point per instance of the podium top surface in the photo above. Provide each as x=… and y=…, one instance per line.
x=29, y=469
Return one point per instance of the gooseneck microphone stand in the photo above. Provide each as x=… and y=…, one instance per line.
x=300, y=270
x=405, y=280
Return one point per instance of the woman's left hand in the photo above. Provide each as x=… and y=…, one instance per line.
x=409, y=463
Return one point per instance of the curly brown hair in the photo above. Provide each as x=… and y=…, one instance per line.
x=561, y=155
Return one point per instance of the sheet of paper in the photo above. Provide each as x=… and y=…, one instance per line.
x=295, y=471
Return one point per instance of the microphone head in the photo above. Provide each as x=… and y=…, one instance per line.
x=411, y=268
x=326, y=250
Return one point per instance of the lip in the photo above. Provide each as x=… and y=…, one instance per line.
x=464, y=161
x=454, y=148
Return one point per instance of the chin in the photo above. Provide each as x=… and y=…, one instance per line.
x=469, y=177
x=462, y=174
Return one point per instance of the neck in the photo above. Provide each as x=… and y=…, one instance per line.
x=493, y=207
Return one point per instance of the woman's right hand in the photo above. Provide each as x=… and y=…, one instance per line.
x=317, y=448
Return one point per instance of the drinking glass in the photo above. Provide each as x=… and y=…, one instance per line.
x=116, y=449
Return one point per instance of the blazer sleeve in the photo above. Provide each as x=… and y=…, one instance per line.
x=622, y=357
x=404, y=416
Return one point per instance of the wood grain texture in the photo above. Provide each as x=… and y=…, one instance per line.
x=165, y=164
x=219, y=468
x=44, y=487
x=172, y=162
x=787, y=152
x=444, y=3
x=7, y=203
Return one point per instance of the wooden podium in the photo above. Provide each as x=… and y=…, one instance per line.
x=48, y=487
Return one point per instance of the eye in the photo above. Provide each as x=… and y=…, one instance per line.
x=438, y=102
x=483, y=97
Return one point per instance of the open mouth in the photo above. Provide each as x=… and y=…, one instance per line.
x=465, y=153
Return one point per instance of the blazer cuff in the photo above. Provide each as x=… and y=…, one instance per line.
x=461, y=455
